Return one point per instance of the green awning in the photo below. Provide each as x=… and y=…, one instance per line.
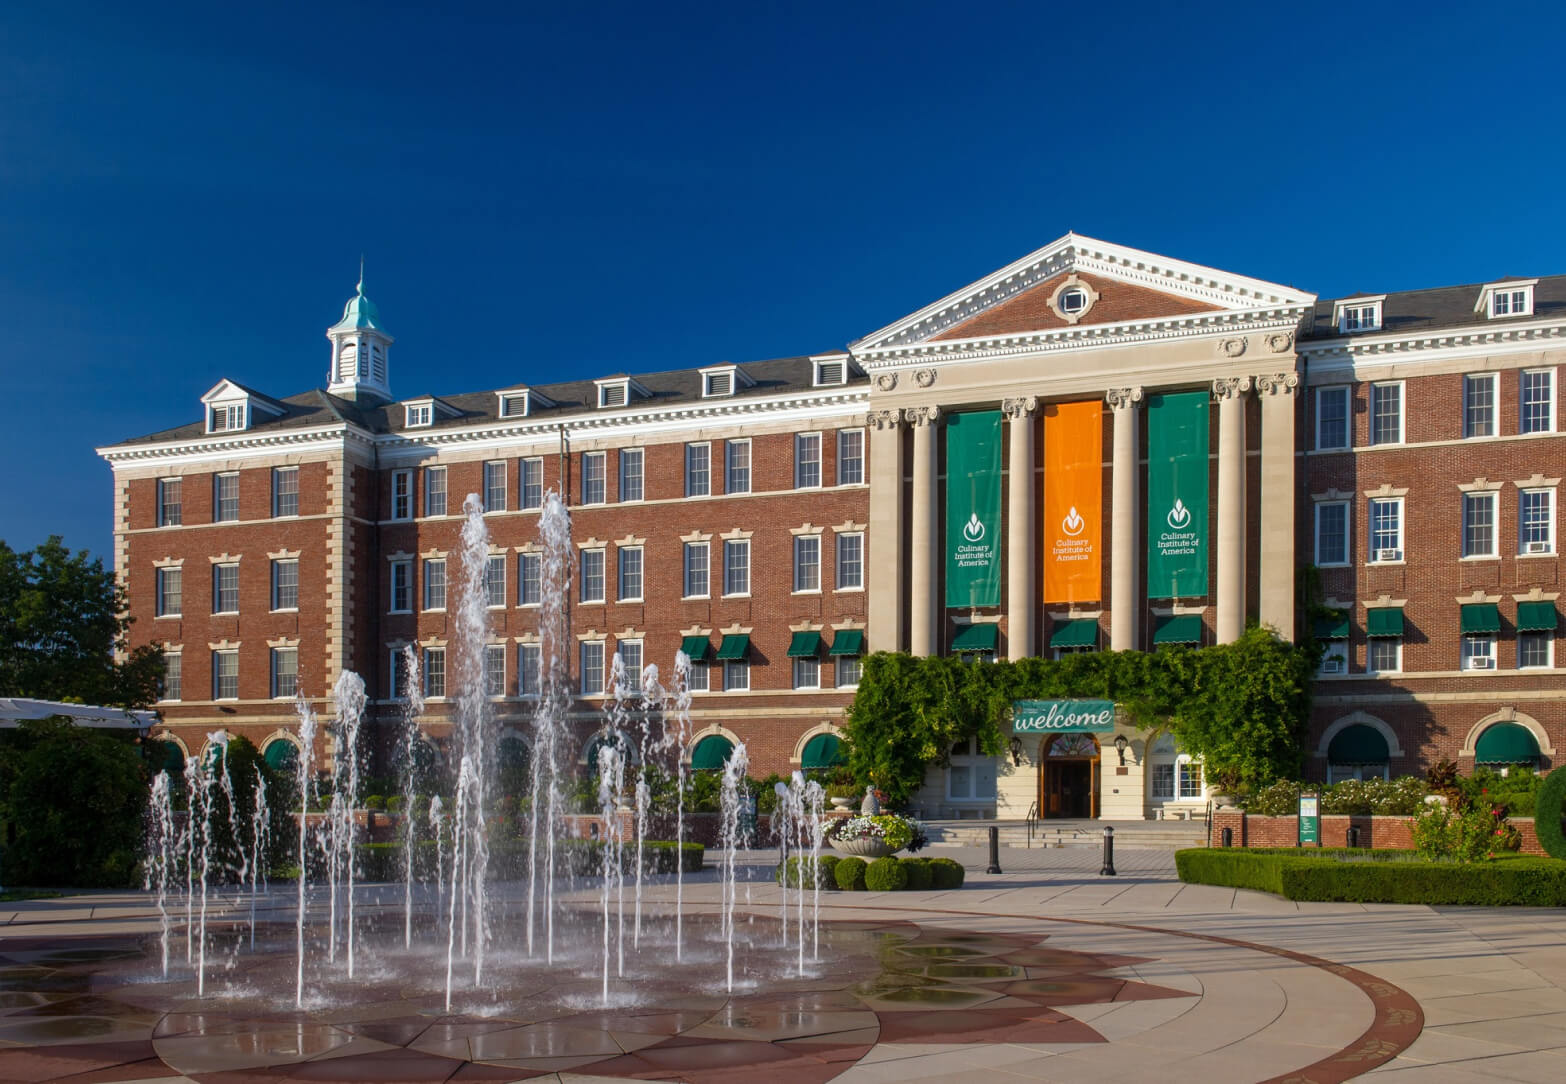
x=281, y=755
x=1358, y=744
x=696, y=647
x=1178, y=629
x=1081, y=632
x=711, y=753
x=1480, y=617
x=848, y=642
x=1506, y=743
x=822, y=751
x=1537, y=617
x=804, y=645
x=978, y=637
x=167, y=756
x=736, y=645
x=1386, y=621
x=1332, y=628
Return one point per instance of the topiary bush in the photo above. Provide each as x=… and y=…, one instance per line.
x=946, y=873
x=850, y=874
x=797, y=874
x=919, y=876
x=886, y=875
x=1548, y=811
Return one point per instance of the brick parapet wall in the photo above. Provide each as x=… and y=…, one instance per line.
x=1380, y=833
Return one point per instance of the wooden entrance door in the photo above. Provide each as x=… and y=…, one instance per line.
x=1069, y=778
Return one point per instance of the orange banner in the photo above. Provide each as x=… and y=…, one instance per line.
x=1073, y=501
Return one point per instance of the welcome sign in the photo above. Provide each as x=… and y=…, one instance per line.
x=973, y=503
x=1073, y=501
x=1177, y=447
x=1061, y=716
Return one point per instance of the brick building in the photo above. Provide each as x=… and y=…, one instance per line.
x=1093, y=447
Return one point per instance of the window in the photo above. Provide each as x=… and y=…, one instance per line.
x=850, y=457
x=1188, y=777
x=530, y=571
x=1479, y=404
x=831, y=372
x=614, y=394
x=630, y=652
x=495, y=581
x=435, y=583
x=495, y=486
x=171, y=587
x=402, y=494
x=1536, y=520
x=736, y=454
x=696, y=567
x=807, y=460
x=399, y=675
x=1537, y=401
x=418, y=415
x=226, y=418
x=592, y=667
x=225, y=589
x=736, y=675
x=850, y=561
x=717, y=384
x=285, y=585
x=1479, y=524
x=1535, y=649
x=1334, y=658
x=593, y=478
x=1361, y=314
x=532, y=483
x=1163, y=782
x=225, y=498
x=1510, y=300
x=697, y=678
x=592, y=575
x=1478, y=651
x=807, y=562
x=630, y=574
x=285, y=491
x=698, y=470
x=173, y=664
x=225, y=675
x=285, y=672
x=494, y=670
x=514, y=406
x=807, y=673
x=1072, y=300
x=434, y=491
x=1332, y=418
x=1332, y=535
x=170, y=505
x=1384, y=655
x=434, y=672
x=849, y=667
x=632, y=461
x=527, y=670
x=736, y=567
x=1386, y=529
x=1386, y=413
x=401, y=587
x=970, y=775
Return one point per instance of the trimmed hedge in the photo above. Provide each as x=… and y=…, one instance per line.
x=1378, y=877
x=946, y=873
x=850, y=874
x=886, y=875
x=919, y=876
x=1547, y=813
x=798, y=870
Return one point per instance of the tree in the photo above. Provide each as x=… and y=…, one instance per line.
x=62, y=621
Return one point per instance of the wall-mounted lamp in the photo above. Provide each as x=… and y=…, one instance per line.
x=1120, y=747
x=1016, y=750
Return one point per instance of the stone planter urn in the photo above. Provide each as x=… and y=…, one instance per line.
x=863, y=848
x=841, y=803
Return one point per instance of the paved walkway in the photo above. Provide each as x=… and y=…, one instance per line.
x=1045, y=972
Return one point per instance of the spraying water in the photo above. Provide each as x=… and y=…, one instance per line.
x=475, y=722
x=550, y=732
x=611, y=778
x=730, y=796
x=260, y=844
x=162, y=853
x=350, y=697
x=306, y=796
x=412, y=708
x=679, y=736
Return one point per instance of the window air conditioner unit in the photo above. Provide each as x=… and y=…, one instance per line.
x=1389, y=555
x=1481, y=662
x=1333, y=665
x=1537, y=547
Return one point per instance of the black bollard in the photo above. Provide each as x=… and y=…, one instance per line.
x=994, y=851
x=1228, y=837
x=1353, y=835
x=1109, y=853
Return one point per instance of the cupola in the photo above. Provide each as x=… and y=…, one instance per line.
x=360, y=345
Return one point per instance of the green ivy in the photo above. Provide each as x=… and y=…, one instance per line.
x=1548, y=813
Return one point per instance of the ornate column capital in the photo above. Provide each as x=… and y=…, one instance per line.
x=922, y=415
x=1231, y=387
x=885, y=419
x=1123, y=398
x=1278, y=383
x=1022, y=407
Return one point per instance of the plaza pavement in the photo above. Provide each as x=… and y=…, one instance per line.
x=1250, y=987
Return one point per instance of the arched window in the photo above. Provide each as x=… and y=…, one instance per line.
x=378, y=358
x=167, y=756
x=1358, y=752
x=347, y=361
x=281, y=755
x=590, y=754
x=711, y=753
x=1506, y=744
x=1173, y=776
x=821, y=752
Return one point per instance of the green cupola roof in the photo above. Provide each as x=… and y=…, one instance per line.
x=360, y=312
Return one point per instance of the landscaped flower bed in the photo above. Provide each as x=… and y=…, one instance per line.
x=876, y=835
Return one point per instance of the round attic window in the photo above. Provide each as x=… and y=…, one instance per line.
x=1073, y=300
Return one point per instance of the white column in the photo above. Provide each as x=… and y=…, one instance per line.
x=887, y=516
x=1021, y=561
x=1230, y=393
x=1278, y=392
x=1125, y=600
x=924, y=637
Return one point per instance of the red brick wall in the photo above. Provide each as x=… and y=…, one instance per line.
x=1381, y=833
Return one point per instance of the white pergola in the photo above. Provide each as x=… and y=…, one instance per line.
x=13, y=710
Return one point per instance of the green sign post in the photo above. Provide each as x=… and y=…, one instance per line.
x=973, y=509
x=1177, y=444
x=1062, y=716
x=1310, y=819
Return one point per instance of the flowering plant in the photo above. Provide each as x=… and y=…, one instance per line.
x=897, y=832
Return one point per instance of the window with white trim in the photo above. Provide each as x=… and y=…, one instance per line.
x=1188, y=777
x=850, y=561
x=807, y=562
x=495, y=485
x=171, y=512
x=1332, y=418
x=736, y=566
x=697, y=678
x=1535, y=650
x=225, y=589
x=736, y=460
x=850, y=457
x=171, y=590
x=1332, y=533
x=435, y=583
x=402, y=494
x=970, y=774
x=225, y=675
x=528, y=675
x=1480, y=392
x=225, y=497
x=592, y=670
x=1386, y=529
x=434, y=491
x=1479, y=524
x=401, y=587
x=594, y=478
x=1478, y=651
x=530, y=577
x=807, y=460
x=696, y=580
x=1536, y=521
x=807, y=673
x=494, y=670
x=630, y=652
x=1536, y=401
x=592, y=576
x=495, y=581
x=514, y=406
x=736, y=675
x=632, y=463
x=1359, y=316
x=849, y=669
x=173, y=667
x=285, y=672
x=285, y=491
x=285, y=584
x=1334, y=658
x=630, y=585
x=225, y=417
x=698, y=470
x=1511, y=300
x=1386, y=413
x=1384, y=655
x=531, y=484
x=434, y=672
x=418, y=415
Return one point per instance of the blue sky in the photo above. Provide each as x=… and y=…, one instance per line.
x=570, y=190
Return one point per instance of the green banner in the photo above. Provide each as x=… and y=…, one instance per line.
x=973, y=504
x=1056, y=716
x=1177, y=495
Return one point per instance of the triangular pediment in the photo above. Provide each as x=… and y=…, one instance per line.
x=1121, y=286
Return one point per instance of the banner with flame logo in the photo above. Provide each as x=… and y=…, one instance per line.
x=1177, y=471
x=1073, y=501
x=973, y=504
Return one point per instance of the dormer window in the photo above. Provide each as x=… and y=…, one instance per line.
x=226, y=417
x=720, y=381
x=1503, y=299
x=419, y=415
x=1358, y=314
x=830, y=372
x=613, y=394
x=513, y=404
x=231, y=407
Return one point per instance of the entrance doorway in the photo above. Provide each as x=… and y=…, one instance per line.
x=1068, y=777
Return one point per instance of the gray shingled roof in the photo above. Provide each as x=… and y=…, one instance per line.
x=1413, y=311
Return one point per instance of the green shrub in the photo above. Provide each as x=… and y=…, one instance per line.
x=919, y=875
x=375, y=802
x=850, y=874
x=886, y=875
x=946, y=873
x=1358, y=877
x=1352, y=797
x=1548, y=814
x=798, y=870
x=394, y=804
